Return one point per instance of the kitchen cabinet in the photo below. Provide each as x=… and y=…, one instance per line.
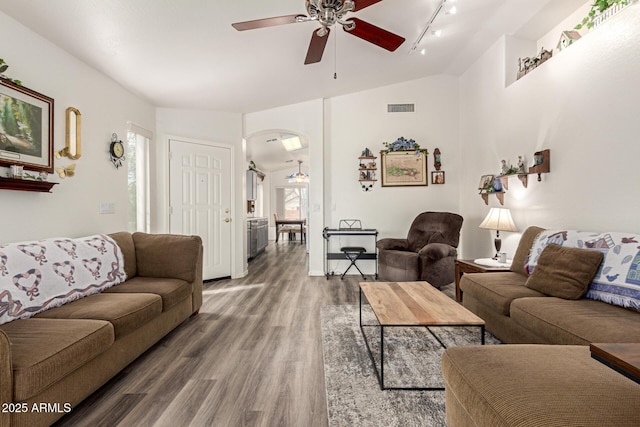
x=257, y=236
x=252, y=185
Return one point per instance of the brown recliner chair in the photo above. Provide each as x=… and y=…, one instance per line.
x=428, y=253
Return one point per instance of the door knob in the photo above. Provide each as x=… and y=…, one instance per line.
x=227, y=220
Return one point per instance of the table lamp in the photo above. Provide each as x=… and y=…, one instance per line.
x=498, y=219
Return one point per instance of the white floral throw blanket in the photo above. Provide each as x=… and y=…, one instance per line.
x=40, y=275
x=617, y=281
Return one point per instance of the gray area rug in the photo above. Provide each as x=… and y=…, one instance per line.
x=412, y=358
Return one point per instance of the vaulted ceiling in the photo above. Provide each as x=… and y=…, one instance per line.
x=185, y=54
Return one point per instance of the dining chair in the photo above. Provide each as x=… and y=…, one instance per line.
x=284, y=229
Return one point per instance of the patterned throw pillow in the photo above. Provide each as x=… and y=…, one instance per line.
x=617, y=281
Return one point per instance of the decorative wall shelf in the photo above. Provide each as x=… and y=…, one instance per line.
x=367, y=170
x=26, y=185
x=542, y=164
x=499, y=196
x=523, y=177
x=566, y=38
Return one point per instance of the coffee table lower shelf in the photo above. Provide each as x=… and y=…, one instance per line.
x=380, y=373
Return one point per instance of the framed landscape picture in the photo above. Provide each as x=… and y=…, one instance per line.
x=404, y=168
x=26, y=128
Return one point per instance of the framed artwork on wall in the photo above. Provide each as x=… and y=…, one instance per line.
x=485, y=182
x=437, y=177
x=26, y=128
x=404, y=168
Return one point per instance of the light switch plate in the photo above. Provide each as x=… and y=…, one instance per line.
x=107, y=208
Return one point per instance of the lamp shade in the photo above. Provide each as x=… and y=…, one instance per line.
x=498, y=219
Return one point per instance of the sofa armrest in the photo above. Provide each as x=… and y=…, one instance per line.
x=6, y=378
x=171, y=256
x=436, y=251
x=167, y=255
x=393, y=244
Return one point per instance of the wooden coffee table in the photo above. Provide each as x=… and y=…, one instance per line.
x=411, y=304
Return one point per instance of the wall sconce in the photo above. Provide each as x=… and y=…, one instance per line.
x=73, y=148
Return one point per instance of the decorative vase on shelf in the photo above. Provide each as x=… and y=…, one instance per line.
x=497, y=185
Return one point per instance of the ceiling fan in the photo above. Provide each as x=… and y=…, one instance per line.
x=329, y=13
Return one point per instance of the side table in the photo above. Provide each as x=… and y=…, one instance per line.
x=622, y=357
x=468, y=266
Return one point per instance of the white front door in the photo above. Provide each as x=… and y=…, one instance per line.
x=200, y=200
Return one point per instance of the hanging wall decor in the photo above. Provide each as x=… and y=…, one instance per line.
x=437, y=159
x=404, y=164
x=367, y=170
x=26, y=135
x=116, y=151
x=437, y=176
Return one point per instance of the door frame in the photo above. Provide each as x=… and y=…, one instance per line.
x=232, y=180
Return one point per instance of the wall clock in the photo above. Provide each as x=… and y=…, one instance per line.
x=116, y=151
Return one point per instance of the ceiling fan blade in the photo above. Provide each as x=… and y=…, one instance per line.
x=266, y=22
x=317, y=45
x=375, y=35
x=361, y=4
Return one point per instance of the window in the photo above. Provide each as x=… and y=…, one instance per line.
x=138, y=141
x=291, y=202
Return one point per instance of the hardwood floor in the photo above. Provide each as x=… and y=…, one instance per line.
x=251, y=357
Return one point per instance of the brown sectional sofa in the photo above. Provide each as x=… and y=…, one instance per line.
x=548, y=384
x=61, y=356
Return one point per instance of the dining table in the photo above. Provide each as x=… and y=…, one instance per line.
x=293, y=222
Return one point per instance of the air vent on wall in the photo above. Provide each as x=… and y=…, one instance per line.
x=401, y=108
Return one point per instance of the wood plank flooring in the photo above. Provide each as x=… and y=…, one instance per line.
x=251, y=357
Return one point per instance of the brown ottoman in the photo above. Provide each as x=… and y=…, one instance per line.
x=535, y=385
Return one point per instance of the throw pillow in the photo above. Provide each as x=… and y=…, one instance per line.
x=564, y=272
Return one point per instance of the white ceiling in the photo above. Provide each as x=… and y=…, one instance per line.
x=185, y=54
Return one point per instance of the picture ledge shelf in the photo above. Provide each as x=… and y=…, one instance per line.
x=26, y=185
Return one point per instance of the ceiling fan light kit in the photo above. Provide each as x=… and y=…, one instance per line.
x=329, y=13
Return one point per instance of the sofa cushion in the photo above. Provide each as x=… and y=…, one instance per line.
x=564, y=272
x=580, y=322
x=536, y=385
x=126, y=312
x=44, y=351
x=497, y=290
x=172, y=291
x=521, y=257
x=167, y=255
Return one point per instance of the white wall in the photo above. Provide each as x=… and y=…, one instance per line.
x=206, y=126
x=72, y=209
x=360, y=120
x=582, y=105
